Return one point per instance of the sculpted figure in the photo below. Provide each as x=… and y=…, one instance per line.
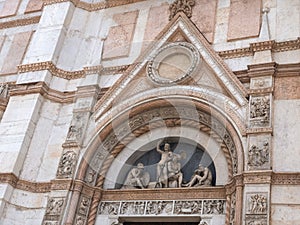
x=201, y=177
x=174, y=173
x=162, y=167
x=137, y=178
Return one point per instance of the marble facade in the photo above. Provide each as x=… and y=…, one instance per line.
x=89, y=87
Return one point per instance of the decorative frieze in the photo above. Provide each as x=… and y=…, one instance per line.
x=184, y=6
x=66, y=164
x=162, y=207
x=20, y=22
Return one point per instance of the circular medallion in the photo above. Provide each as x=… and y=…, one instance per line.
x=173, y=63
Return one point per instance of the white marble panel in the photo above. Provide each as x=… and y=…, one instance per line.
x=286, y=139
x=32, y=77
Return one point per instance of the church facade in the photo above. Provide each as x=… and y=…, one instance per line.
x=149, y=112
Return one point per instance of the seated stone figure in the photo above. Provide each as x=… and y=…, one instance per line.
x=137, y=178
x=202, y=177
x=175, y=176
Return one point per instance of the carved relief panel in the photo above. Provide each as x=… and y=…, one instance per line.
x=54, y=210
x=260, y=111
x=259, y=150
x=256, y=208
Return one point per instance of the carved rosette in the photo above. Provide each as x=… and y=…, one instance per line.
x=256, y=208
x=162, y=207
x=54, y=210
x=66, y=164
x=184, y=6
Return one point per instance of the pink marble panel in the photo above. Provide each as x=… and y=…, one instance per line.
x=158, y=18
x=119, y=39
x=34, y=5
x=244, y=19
x=16, y=52
x=204, y=17
x=10, y=8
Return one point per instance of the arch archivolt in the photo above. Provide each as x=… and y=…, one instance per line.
x=216, y=127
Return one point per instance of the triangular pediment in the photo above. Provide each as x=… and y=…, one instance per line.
x=180, y=55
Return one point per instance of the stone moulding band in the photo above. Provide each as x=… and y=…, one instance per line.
x=20, y=22
x=93, y=6
x=66, y=184
x=261, y=46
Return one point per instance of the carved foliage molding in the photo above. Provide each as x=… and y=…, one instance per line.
x=163, y=207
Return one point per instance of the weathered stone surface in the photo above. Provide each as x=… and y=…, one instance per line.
x=287, y=88
x=157, y=20
x=118, y=41
x=34, y=5
x=204, y=17
x=244, y=20
x=10, y=8
x=16, y=52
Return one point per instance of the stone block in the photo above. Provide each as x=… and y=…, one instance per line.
x=10, y=8
x=32, y=77
x=118, y=42
x=16, y=52
x=204, y=17
x=285, y=214
x=33, y=6
x=244, y=19
x=50, y=39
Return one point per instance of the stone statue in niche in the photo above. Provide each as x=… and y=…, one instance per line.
x=168, y=168
x=137, y=178
x=202, y=177
x=258, y=156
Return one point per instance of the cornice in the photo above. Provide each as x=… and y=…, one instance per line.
x=93, y=6
x=34, y=187
x=69, y=75
x=248, y=177
x=261, y=46
x=43, y=89
x=20, y=22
